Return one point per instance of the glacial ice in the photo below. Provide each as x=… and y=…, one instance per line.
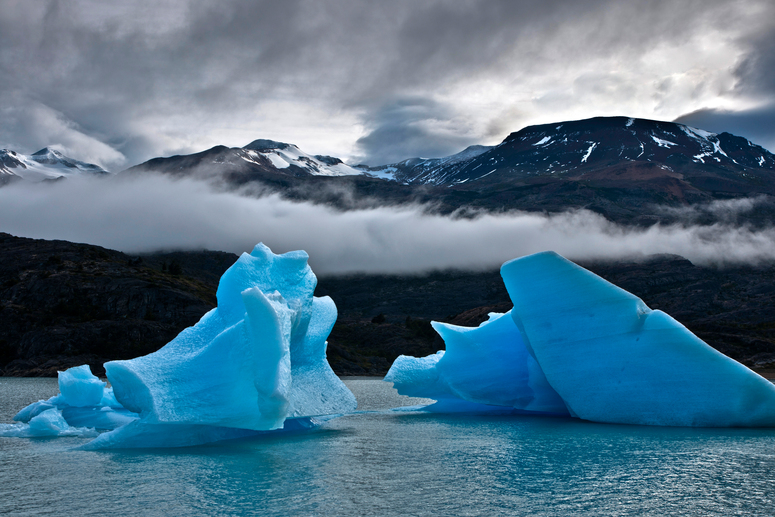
x=84, y=401
x=582, y=346
x=254, y=364
x=487, y=365
x=80, y=388
x=612, y=359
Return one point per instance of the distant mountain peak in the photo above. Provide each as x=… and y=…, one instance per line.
x=51, y=156
x=580, y=143
x=618, y=123
x=262, y=158
x=8, y=153
x=620, y=152
x=48, y=151
x=46, y=164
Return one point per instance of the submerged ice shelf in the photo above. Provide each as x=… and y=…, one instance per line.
x=579, y=345
x=254, y=364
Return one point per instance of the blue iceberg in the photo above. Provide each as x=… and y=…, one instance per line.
x=487, y=368
x=83, y=406
x=254, y=364
x=588, y=348
x=46, y=424
x=84, y=401
x=81, y=388
x=612, y=359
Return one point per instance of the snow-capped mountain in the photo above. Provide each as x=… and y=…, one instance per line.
x=617, y=166
x=267, y=159
x=620, y=149
x=632, y=147
x=259, y=160
x=46, y=164
x=284, y=156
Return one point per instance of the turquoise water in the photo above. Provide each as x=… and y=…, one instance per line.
x=398, y=463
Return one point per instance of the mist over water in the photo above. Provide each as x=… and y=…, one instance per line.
x=150, y=213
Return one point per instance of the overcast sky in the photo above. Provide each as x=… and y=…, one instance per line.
x=119, y=82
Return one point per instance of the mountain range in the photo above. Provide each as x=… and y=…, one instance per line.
x=623, y=168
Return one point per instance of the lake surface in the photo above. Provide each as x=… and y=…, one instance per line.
x=398, y=463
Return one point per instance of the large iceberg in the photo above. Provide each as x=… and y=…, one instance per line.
x=612, y=359
x=254, y=364
x=591, y=348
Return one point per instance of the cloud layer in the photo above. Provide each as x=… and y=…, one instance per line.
x=120, y=82
x=150, y=213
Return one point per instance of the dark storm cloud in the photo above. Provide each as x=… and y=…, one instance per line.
x=756, y=72
x=756, y=78
x=120, y=82
x=409, y=128
x=443, y=40
x=111, y=75
x=757, y=125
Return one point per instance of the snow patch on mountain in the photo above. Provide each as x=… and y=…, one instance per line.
x=663, y=143
x=717, y=148
x=698, y=134
x=589, y=151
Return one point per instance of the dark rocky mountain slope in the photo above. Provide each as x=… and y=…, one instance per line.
x=64, y=304
x=625, y=169
x=670, y=157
